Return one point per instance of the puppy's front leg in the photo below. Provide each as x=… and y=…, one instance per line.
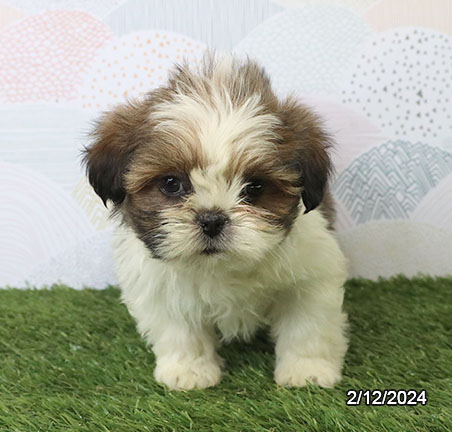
x=186, y=357
x=309, y=327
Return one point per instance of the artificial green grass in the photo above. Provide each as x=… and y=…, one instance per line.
x=72, y=361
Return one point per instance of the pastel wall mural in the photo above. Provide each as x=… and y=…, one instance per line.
x=377, y=71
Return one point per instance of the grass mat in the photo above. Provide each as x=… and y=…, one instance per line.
x=73, y=361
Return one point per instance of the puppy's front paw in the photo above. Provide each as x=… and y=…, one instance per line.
x=296, y=372
x=188, y=374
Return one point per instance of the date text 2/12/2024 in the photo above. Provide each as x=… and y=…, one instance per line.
x=386, y=397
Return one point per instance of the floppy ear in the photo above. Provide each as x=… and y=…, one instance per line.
x=315, y=171
x=115, y=138
x=308, y=146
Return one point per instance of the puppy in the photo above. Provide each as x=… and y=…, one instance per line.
x=222, y=194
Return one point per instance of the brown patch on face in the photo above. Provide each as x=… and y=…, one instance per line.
x=142, y=210
x=279, y=204
x=165, y=153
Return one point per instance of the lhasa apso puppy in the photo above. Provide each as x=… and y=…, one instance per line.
x=225, y=213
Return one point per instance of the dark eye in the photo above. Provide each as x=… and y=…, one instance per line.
x=253, y=189
x=172, y=186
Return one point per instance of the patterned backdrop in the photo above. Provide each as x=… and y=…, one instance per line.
x=378, y=71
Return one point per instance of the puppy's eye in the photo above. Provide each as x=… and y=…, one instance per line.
x=172, y=186
x=253, y=189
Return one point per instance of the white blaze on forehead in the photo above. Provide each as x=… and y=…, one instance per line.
x=231, y=132
x=213, y=190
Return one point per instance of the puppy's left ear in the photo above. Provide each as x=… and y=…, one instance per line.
x=307, y=149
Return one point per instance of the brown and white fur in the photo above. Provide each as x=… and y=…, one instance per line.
x=258, y=168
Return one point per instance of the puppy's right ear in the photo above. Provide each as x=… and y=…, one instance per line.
x=115, y=138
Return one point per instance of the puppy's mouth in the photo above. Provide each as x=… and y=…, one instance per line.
x=214, y=248
x=211, y=251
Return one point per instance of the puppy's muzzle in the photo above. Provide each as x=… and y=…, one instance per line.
x=212, y=222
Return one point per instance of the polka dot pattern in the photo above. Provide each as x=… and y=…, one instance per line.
x=43, y=56
x=401, y=80
x=133, y=65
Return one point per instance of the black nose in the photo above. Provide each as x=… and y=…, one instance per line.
x=212, y=222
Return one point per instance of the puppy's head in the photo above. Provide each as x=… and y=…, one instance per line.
x=212, y=165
